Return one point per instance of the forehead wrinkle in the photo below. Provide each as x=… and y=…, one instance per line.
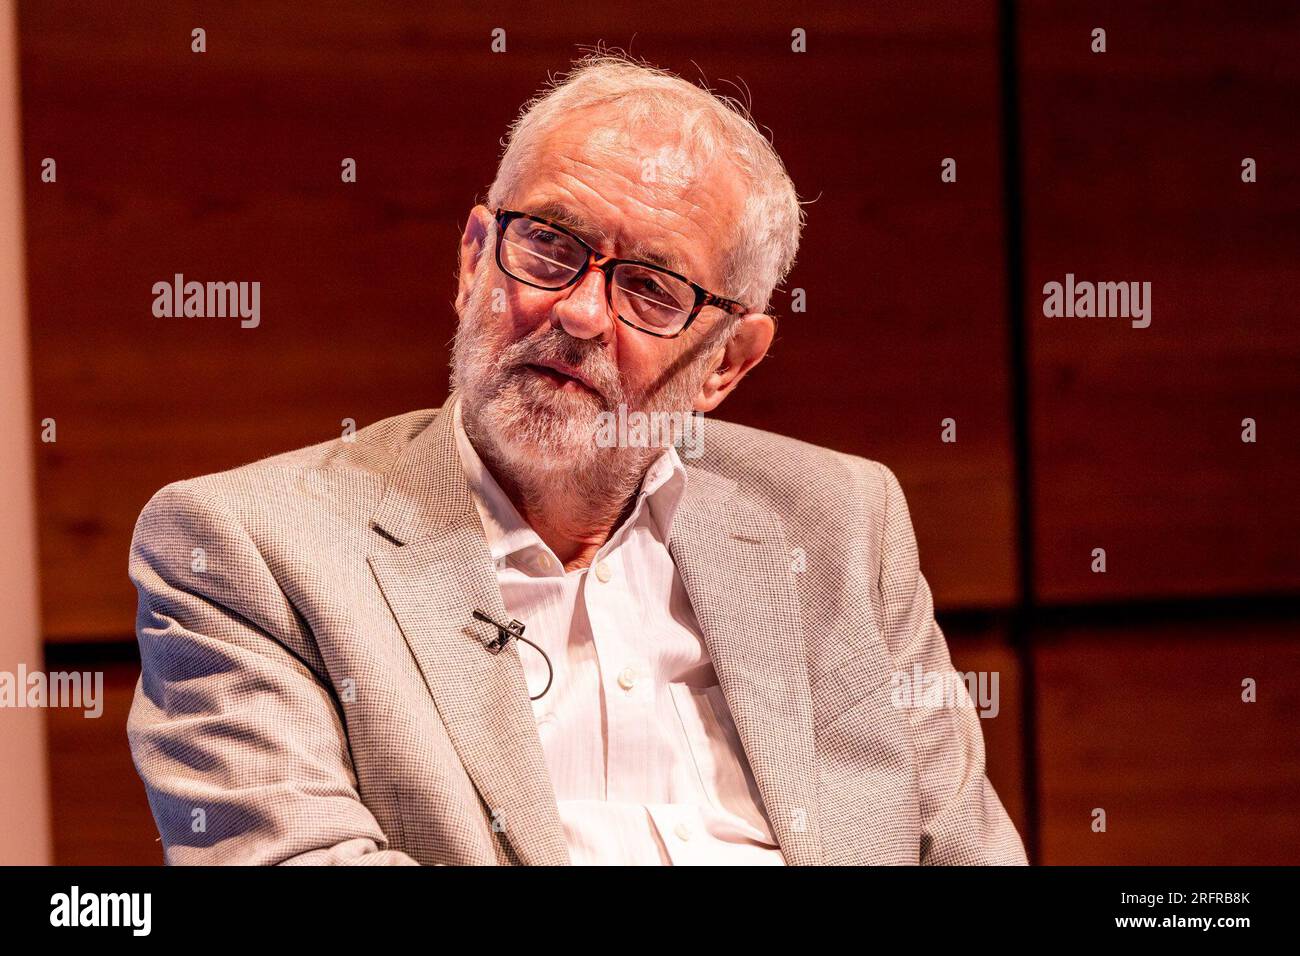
x=675, y=250
x=630, y=195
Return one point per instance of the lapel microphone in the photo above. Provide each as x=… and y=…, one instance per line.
x=505, y=632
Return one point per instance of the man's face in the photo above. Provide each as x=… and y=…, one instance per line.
x=637, y=194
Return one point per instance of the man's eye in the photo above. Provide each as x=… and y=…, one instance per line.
x=651, y=288
x=543, y=237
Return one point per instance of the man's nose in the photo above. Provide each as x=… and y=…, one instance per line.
x=583, y=312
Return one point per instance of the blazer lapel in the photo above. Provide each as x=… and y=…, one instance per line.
x=439, y=574
x=735, y=564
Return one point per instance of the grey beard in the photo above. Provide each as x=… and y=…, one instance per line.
x=545, y=439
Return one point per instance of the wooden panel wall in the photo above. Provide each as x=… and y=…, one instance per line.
x=98, y=805
x=1133, y=172
x=1147, y=722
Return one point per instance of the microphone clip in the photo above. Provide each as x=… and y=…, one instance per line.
x=504, y=632
x=514, y=629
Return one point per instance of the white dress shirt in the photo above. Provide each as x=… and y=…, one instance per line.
x=642, y=751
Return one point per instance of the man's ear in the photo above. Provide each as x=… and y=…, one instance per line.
x=472, y=242
x=745, y=348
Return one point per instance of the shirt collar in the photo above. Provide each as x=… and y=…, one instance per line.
x=507, y=532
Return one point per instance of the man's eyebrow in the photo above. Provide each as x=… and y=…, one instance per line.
x=575, y=222
x=648, y=253
x=595, y=236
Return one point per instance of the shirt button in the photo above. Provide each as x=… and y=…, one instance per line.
x=683, y=832
x=627, y=678
x=603, y=573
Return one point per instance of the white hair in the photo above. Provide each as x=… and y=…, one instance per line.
x=767, y=236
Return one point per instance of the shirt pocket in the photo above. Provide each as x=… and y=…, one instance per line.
x=719, y=757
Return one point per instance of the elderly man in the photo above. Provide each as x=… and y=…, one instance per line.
x=504, y=631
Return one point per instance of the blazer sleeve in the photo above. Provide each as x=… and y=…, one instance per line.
x=235, y=728
x=962, y=820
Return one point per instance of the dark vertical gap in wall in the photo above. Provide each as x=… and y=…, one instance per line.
x=1013, y=221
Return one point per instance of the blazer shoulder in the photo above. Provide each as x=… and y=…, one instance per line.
x=788, y=470
x=344, y=473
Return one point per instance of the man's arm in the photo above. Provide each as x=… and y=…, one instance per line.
x=235, y=728
x=962, y=819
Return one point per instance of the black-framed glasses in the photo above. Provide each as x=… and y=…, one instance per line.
x=649, y=298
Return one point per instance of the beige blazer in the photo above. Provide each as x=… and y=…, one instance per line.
x=314, y=689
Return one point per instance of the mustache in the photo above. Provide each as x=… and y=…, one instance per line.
x=584, y=355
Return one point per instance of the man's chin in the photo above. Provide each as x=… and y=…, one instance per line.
x=544, y=434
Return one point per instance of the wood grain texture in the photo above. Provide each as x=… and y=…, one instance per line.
x=1133, y=172
x=981, y=646
x=1148, y=723
x=98, y=807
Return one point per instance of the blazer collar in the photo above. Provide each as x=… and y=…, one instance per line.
x=735, y=563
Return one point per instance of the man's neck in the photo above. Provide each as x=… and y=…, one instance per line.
x=574, y=515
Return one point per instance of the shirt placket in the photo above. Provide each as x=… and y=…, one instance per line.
x=626, y=680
